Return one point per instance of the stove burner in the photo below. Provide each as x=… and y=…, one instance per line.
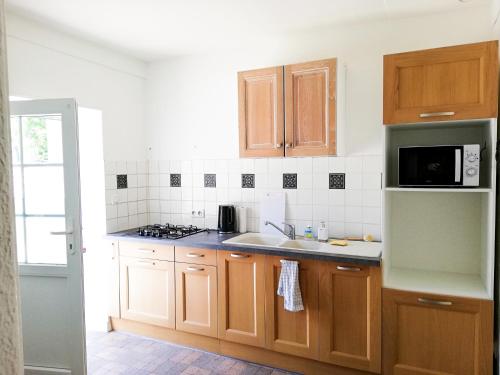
x=168, y=231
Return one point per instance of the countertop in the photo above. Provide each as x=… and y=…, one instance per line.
x=363, y=253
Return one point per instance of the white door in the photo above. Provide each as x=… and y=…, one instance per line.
x=48, y=226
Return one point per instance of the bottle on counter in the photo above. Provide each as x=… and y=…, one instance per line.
x=308, y=233
x=322, y=232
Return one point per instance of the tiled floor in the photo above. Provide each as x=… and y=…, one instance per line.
x=123, y=353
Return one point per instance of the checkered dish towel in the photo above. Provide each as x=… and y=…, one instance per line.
x=289, y=287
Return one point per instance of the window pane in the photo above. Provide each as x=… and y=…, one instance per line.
x=42, y=247
x=18, y=190
x=44, y=190
x=15, y=140
x=21, y=258
x=42, y=139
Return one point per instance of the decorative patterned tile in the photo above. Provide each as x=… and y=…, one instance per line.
x=175, y=180
x=289, y=180
x=210, y=180
x=337, y=181
x=121, y=181
x=248, y=181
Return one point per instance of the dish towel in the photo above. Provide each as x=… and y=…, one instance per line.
x=289, y=287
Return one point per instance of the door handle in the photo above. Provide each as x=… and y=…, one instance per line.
x=435, y=114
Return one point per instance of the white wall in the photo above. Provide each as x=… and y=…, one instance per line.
x=192, y=101
x=47, y=64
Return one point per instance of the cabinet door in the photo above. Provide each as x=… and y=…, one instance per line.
x=451, y=83
x=147, y=291
x=241, y=297
x=433, y=334
x=196, y=299
x=114, y=278
x=310, y=108
x=350, y=315
x=260, y=101
x=288, y=332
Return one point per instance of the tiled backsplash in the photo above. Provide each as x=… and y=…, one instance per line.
x=345, y=192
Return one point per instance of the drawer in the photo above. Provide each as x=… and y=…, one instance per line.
x=196, y=255
x=147, y=250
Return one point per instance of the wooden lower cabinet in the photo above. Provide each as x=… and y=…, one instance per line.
x=426, y=334
x=196, y=299
x=288, y=332
x=350, y=316
x=241, y=297
x=147, y=291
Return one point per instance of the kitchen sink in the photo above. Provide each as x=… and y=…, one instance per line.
x=256, y=239
x=301, y=245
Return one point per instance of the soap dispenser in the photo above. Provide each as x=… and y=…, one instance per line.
x=322, y=232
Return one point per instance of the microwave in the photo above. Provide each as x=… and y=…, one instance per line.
x=439, y=166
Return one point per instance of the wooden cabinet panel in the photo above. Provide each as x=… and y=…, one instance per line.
x=310, y=108
x=147, y=291
x=288, y=332
x=196, y=255
x=146, y=249
x=241, y=297
x=450, y=83
x=350, y=315
x=260, y=100
x=433, y=334
x=196, y=299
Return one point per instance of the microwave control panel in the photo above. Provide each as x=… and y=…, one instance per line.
x=471, y=165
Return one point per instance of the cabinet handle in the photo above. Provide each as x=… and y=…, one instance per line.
x=288, y=145
x=435, y=114
x=234, y=255
x=434, y=302
x=195, y=269
x=147, y=262
x=194, y=255
x=279, y=145
x=351, y=269
x=146, y=251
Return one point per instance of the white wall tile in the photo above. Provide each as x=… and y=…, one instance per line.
x=372, y=198
x=186, y=180
x=121, y=167
x=261, y=180
x=132, y=194
x=234, y=180
x=233, y=166
x=304, y=165
x=247, y=165
x=164, y=193
x=142, y=180
x=122, y=223
x=304, y=196
x=353, y=181
x=336, y=229
x=248, y=195
x=198, y=180
x=111, y=211
x=121, y=195
x=132, y=208
x=175, y=166
x=111, y=225
x=210, y=208
x=261, y=166
x=320, y=165
x=234, y=195
x=320, y=181
x=142, y=219
x=353, y=164
x=163, y=167
x=221, y=167
x=374, y=230
x=187, y=194
x=304, y=212
x=142, y=207
x=109, y=167
x=186, y=167
x=320, y=213
x=336, y=197
x=132, y=180
x=131, y=167
x=353, y=214
x=372, y=215
x=154, y=193
x=121, y=209
x=290, y=165
x=198, y=166
x=372, y=181
x=153, y=167
x=210, y=194
x=198, y=193
x=210, y=166
x=110, y=181
x=275, y=166
x=165, y=206
x=164, y=179
x=142, y=193
x=320, y=197
x=353, y=198
x=154, y=180
x=372, y=164
x=353, y=229
x=336, y=213
x=154, y=205
x=275, y=181
x=176, y=194
x=336, y=164
x=304, y=181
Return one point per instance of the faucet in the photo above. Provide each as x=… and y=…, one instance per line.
x=289, y=229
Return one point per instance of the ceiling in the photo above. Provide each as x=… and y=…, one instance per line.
x=155, y=29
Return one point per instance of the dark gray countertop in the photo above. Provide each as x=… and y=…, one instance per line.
x=213, y=240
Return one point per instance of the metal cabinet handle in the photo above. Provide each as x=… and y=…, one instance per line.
x=435, y=114
x=195, y=269
x=345, y=268
x=234, y=255
x=61, y=233
x=194, y=255
x=146, y=251
x=288, y=145
x=428, y=301
x=279, y=145
x=147, y=262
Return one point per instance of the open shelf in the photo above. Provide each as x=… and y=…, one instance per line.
x=437, y=282
x=441, y=190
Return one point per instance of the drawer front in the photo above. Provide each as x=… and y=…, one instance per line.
x=196, y=255
x=147, y=250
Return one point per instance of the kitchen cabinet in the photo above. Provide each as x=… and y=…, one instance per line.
x=196, y=298
x=350, y=316
x=288, y=332
x=431, y=334
x=310, y=110
x=149, y=250
x=261, y=122
x=288, y=111
x=113, y=277
x=196, y=255
x=147, y=291
x=450, y=83
x=241, y=297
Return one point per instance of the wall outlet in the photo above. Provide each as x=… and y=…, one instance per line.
x=198, y=213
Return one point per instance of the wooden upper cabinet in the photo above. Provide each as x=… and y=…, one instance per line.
x=450, y=83
x=310, y=115
x=432, y=334
x=147, y=291
x=294, y=333
x=196, y=298
x=350, y=316
x=241, y=297
x=260, y=96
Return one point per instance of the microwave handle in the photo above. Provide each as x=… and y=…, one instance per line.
x=458, y=164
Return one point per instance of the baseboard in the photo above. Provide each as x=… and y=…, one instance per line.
x=245, y=352
x=36, y=370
